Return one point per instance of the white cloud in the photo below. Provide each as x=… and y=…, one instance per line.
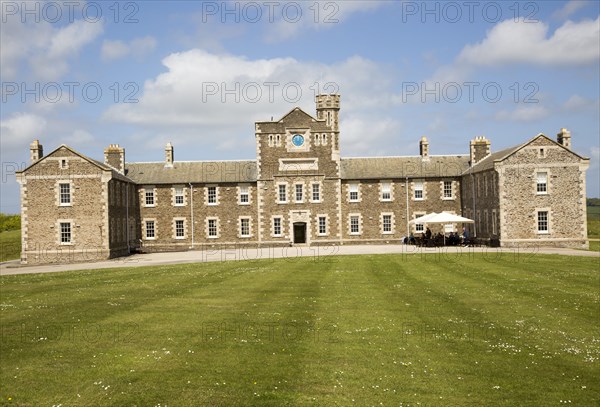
x=523, y=114
x=570, y=8
x=138, y=47
x=46, y=48
x=20, y=129
x=206, y=99
x=114, y=49
x=577, y=103
x=512, y=42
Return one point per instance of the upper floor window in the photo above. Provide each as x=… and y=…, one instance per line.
x=299, y=192
x=150, y=198
x=179, y=196
x=282, y=193
x=65, y=194
x=212, y=195
x=65, y=232
x=316, y=192
x=386, y=191
x=353, y=188
x=244, y=195
x=418, y=190
x=63, y=164
x=542, y=153
x=447, y=189
x=542, y=183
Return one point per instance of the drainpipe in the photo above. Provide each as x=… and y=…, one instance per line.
x=192, y=211
x=407, y=227
x=127, y=216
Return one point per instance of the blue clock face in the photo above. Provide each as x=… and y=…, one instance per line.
x=298, y=140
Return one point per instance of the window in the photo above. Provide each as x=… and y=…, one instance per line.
x=542, y=182
x=245, y=227
x=419, y=227
x=282, y=193
x=63, y=164
x=386, y=191
x=447, y=189
x=150, y=230
x=354, y=225
x=317, y=139
x=276, y=226
x=542, y=153
x=324, y=139
x=213, y=230
x=387, y=223
x=299, y=192
x=65, y=232
x=179, y=196
x=418, y=190
x=316, y=192
x=270, y=140
x=244, y=195
x=278, y=140
x=212, y=195
x=353, y=188
x=179, y=229
x=494, y=222
x=150, y=198
x=322, y=225
x=542, y=222
x=65, y=194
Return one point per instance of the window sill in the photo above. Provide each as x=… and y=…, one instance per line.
x=65, y=205
x=149, y=206
x=179, y=205
x=180, y=238
x=66, y=244
x=213, y=237
x=244, y=203
x=543, y=232
x=387, y=233
x=149, y=238
x=448, y=199
x=212, y=204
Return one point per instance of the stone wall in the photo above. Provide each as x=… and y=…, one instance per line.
x=564, y=200
x=42, y=212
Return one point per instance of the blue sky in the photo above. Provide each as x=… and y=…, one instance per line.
x=199, y=74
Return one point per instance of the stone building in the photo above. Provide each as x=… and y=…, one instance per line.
x=298, y=191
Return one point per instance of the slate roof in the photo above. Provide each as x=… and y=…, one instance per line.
x=401, y=167
x=184, y=172
x=115, y=174
x=488, y=162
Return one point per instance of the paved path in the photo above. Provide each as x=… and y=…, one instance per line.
x=204, y=256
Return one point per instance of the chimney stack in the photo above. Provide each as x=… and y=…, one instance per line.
x=115, y=157
x=424, y=148
x=480, y=148
x=564, y=138
x=169, y=156
x=36, y=151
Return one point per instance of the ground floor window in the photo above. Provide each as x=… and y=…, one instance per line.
x=213, y=230
x=179, y=229
x=150, y=230
x=354, y=224
x=245, y=227
x=322, y=225
x=65, y=232
x=276, y=226
x=387, y=223
x=542, y=222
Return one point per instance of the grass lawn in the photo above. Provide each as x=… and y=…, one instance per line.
x=353, y=330
x=10, y=245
